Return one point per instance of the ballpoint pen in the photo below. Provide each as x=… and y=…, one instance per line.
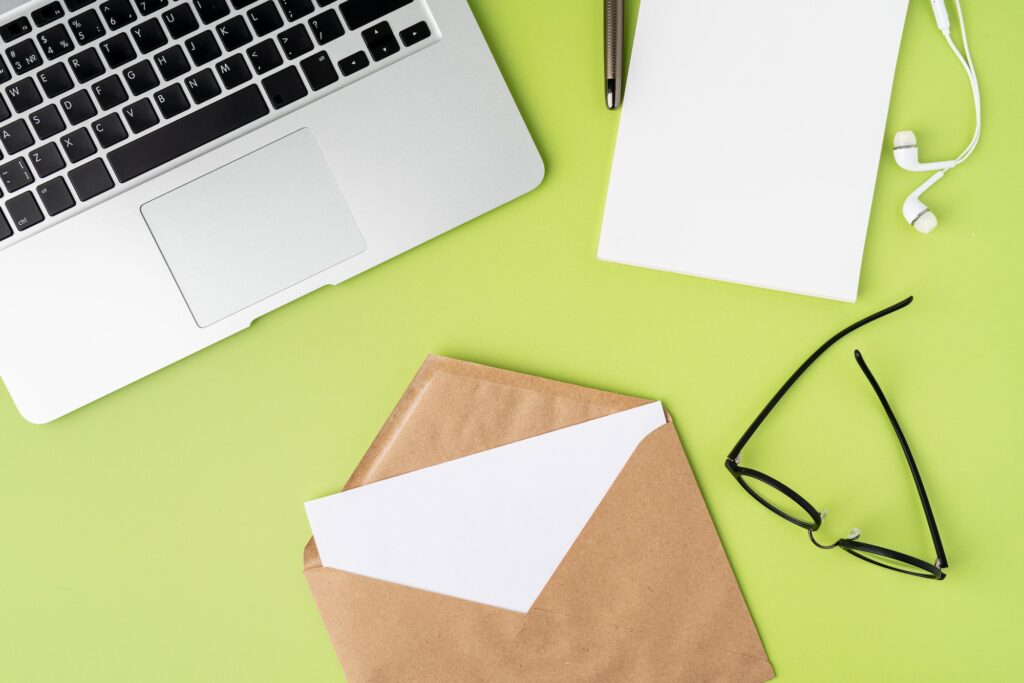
x=613, y=52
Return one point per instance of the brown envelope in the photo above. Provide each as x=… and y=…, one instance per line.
x=644, y=594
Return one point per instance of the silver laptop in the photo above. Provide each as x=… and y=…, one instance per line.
x=174, y=169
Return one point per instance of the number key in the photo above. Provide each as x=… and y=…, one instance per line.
x=55, y=41
x=86, y=26
x=23, y=56
x=117, y=13
x=147, y=7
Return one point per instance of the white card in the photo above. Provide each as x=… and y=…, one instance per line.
x=490, y=527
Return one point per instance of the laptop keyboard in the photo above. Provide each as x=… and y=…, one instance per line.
x=94, y=94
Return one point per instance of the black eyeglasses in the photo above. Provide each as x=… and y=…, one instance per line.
x=791, y=506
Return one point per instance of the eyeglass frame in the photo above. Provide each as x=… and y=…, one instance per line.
x=850, y=544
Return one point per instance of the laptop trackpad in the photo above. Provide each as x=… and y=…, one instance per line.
x=253, y=228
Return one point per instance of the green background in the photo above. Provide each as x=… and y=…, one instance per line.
x=157, y=534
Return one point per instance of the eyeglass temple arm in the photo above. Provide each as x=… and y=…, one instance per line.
x=734, y=454
x=929, y=516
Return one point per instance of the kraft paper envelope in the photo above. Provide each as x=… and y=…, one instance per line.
x=644, y=593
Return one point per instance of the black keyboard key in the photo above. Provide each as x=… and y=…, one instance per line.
x=86, y=65
x=23, y=94
x=202, y=86
x=5, y=72
x=78, y=107
x=117, y=13
x=171, y=62
x=87, y=26
x=354, y=63
x=46, y=121
x=55, y=80
x=264, y=56
x=319, y=71
x=47, y=13
x=5, y=112
x=147, y=7
x=203, y=48
x=211, y=10
x=414, y=34
x=24, y=211
x=75, y=5
x=55, y=41
x=77, y=145
x=295, y=41
x=171, y=100
x=55, y=196
x=359, y=13
x=117, y=50
x=324, y=3
x=233, y=71
x=326, y=26
x=23, y=57
x=90, y=179
x=15, y=175
x=46, y=160
x=180, y=20
x=380, y=40
x=140, y=116
x=109, y=130
x=109, y=92
x=265, y=18
x=13, y=30
x=234, y=33
x=296, y=9
x=284, y=87
x=15, y=136
x=239, y=4
x=149, y=35
x=188, y=133
x=140, y=77
x=5, y=228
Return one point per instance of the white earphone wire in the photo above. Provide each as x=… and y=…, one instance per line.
x=972, y=77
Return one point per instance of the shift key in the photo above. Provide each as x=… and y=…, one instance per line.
x=188, y=133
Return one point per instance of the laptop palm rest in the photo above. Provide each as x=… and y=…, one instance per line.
x=261, y=224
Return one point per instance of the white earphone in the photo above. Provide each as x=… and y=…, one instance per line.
x=905, y=150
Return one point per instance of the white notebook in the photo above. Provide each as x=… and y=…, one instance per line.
x=750, y=140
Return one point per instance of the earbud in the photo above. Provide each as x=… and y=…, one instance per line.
x=916, y=212
x=905, y=144
x=906, y=152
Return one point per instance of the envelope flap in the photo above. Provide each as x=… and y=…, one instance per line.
x=454, y=408
x=650, y=560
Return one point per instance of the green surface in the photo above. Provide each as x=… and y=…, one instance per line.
x=157, y=534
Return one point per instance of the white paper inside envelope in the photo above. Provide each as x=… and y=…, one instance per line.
x=490, y=527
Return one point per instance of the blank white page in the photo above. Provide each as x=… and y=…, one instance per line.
x=750, y=139
x=490, y=527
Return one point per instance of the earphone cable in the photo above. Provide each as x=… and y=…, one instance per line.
x=972, y=77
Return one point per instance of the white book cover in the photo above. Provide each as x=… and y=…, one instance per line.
x=750, y=140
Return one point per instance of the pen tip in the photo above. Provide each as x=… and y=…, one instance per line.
x=612, y=102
